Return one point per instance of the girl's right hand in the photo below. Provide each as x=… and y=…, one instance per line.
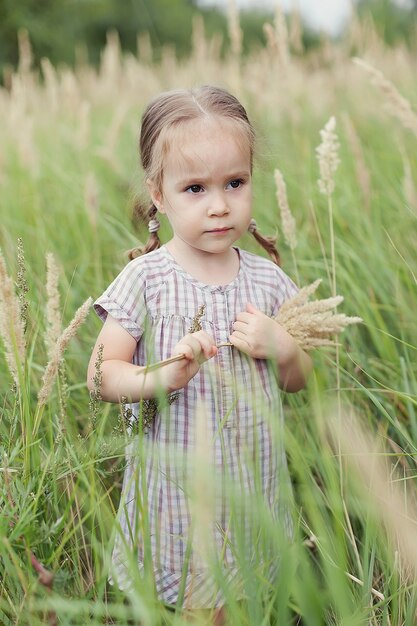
x=197, y=347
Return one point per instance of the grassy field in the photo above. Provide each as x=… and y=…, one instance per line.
x=69, y=173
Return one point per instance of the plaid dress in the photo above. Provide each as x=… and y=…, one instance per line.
x=193, y=481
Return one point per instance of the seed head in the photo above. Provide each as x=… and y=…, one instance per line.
x=328, y=157
x=287, y=218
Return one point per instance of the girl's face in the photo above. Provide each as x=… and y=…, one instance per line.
x=207, y=187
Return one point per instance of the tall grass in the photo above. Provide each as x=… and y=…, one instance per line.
x=68, y=171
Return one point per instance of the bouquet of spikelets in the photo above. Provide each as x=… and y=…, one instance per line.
x=313, y=323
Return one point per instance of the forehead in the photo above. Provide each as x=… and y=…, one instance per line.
x=205, y=143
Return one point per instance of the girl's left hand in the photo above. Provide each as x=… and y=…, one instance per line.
x=261, y=337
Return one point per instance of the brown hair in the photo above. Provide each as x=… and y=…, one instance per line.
x=167, y=112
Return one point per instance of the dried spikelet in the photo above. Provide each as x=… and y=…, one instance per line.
x=196, y=321
x=287, y=218
x=21, y=283
x=199, y=39
x=215, y=45
x=382, y=491
x=271, y=40
x=11, y=324
x=281, y=36
x=296, y=31
x=110, y=69
x=397, y=105
x=25, y=51
x=144, y=48
x=70, y=91
x=53, y=305
x=235, y=32
x=313, y=324
x=51, y=84
x=58, y=351
x=95, y=393
x=328, y=157
x=302, y=295
x=362, y=172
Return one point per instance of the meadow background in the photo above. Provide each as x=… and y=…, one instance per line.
x=69, y=174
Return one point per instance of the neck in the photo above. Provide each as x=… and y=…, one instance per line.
x=206, y=267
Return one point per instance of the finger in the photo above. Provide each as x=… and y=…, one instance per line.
x=203, y=346
x=244, y=317
x=241, y=337
x=250, y=308
x=185, y=350
x=207, y=343
x=239, y=343
x=189, y=345
x=208, y=347
x=240, y=326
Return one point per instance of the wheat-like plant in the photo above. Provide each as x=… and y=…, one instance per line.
x=313, y=323
x=53, y=306
x=58, y=351
x=397, y=105
x=287, y=218
x=281, y=32
x=234, y=29
x=12, y=324
x=328, y=157
x=385, y=498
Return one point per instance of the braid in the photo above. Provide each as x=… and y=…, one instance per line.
x=153, y=242
x=267, y=243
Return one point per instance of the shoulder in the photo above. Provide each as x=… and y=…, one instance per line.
x=138, y=283
x=140, y=278
x=257, y=265
x=152, y=268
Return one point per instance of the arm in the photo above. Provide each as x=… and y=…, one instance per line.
x=261, y=337
x=120, y=378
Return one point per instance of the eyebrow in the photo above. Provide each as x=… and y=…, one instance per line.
x=231, y=176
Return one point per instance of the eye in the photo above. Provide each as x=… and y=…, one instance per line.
x=235, y=184
x=194, y=188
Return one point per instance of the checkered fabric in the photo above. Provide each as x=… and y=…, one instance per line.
x=192, y=479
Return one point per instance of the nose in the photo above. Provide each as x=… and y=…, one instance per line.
x=218, y=205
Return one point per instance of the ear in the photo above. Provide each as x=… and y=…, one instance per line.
x=156, y=194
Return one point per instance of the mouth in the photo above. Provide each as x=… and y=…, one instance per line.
x=219, y=230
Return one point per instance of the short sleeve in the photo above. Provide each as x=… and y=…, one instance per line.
x=125, y=300
x=286, y=289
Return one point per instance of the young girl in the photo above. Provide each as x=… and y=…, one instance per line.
x=197, y=154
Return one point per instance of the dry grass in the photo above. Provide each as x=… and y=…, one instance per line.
x=381, y=488
x=12, y=325
x=53, y=305
x=287, y=218
x=69, y=141
x=396, y=104
x=328, y=157
x=313, y=324
x=59, y=348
